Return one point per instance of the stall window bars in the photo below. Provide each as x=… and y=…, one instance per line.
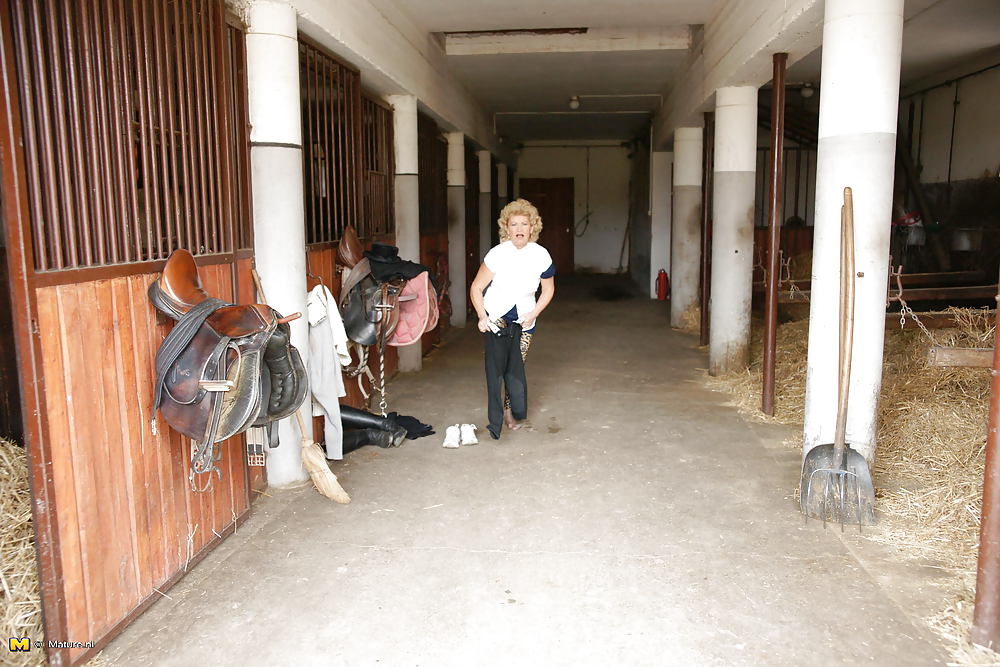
x=134, y=119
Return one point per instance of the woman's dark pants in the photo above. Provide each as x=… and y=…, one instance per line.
x=504, y=366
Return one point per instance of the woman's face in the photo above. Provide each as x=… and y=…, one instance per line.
x=519, y=228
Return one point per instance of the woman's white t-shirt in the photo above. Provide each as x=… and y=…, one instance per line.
x=516, y=276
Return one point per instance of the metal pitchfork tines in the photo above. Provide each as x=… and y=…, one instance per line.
x=830, y=470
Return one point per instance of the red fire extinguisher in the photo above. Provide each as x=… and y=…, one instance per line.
x=662, y=285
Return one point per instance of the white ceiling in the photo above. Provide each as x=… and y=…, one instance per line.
x=458, y=15
x=938, y=34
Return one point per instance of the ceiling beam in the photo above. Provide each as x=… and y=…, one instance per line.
x=571, y=40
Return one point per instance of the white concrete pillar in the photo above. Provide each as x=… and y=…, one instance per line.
x=407, y=189
x=456, y=227
x=659, y=241
x=685, y=249
x=735, y=164
x=278, y=211
x=857, y=141
x=486, y=220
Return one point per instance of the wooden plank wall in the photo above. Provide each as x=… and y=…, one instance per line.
x=128, y=523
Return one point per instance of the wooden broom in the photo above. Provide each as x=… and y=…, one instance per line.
x=313, y=457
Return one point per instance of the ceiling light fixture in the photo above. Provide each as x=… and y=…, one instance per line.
x=807, y=90
x=574, y=102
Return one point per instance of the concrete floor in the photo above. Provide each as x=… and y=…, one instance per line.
x=640, y=521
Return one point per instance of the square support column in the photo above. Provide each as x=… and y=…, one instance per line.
x=856, y=147
x=685, y=247
x=733, y=192
x=407, y=189
x=278, y=209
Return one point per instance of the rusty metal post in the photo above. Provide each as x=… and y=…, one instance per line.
x=775, y=194
x=708, y=148
x=986, y=618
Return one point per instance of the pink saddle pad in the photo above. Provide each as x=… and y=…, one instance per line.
x=418, y=311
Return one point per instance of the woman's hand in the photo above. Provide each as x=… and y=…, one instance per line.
x=528, y=321
x=484, y=324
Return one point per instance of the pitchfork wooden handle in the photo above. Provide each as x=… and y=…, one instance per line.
x=289, y=318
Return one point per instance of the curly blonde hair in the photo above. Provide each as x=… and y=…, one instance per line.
x=520, y=207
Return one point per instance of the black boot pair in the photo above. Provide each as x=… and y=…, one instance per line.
x=364, y=428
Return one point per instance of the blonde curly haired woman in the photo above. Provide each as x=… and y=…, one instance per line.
x=510, y=275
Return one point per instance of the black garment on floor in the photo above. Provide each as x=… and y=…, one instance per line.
x=386, y=264
x=414, y=427
x=504, y=367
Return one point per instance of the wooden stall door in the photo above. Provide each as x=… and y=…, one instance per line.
x=123, y=137
x=554, y=199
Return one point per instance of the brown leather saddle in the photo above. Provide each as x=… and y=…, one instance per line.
x=370, y=309
x=223, y=368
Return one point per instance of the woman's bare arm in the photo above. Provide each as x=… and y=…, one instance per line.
x=483, y=278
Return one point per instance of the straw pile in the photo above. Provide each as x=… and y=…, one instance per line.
x=691, y=319
x=20, y=605
x=790, y=376
x=930, y=457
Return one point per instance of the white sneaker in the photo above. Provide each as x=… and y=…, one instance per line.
x=451, y=437
x=469, y=434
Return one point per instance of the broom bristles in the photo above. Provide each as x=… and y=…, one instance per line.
x=324, y=479
x=314, y=460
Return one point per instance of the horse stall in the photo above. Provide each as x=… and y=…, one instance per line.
x=124, y=136
x=348, y=174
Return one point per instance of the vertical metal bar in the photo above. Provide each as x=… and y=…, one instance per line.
x=323, y=156
x=319, y=158
x=337, y=95
x=331, y=119
x=314, y=149
x=222, y=89
x=986, y=616
x=798, y=176
x=35, y=134
x=76, y=63
x=168, y=221
x=101, y=194
x=207, y=136
x=708, y=148
x=308, y=159
x=239, y=89
x=390, y=171
x=109, y=75
x=131, y=67
x=153, y=217
x=356, y=161
x=775, y=196
x=811, y=183
x=121, y=104
x=192, y=56
x=192, y=237
x=92, y=220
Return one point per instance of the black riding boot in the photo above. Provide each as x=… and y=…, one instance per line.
x=354, y=418
x=371, y=436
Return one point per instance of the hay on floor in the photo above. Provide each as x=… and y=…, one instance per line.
x=930, y=455
x=691, y=319
x=20, y=605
